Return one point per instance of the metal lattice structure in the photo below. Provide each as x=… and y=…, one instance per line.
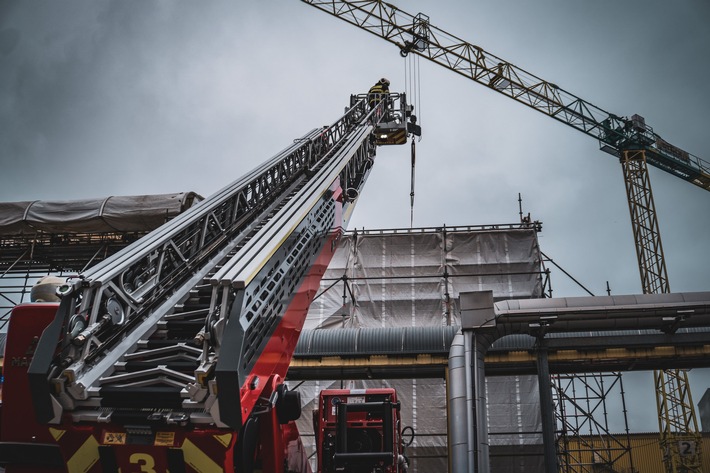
x=585, y=443
x=681, y=441
x=647, y=235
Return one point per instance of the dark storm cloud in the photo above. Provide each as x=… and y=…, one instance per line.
x=9, y=38
x=98, y=86
x=43, y=78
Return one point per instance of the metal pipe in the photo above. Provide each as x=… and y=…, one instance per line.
x=458, y=397
x=468, y=441
x=470, y=418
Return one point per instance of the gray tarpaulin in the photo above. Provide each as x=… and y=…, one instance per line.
x=414, y=278
x=110, y=214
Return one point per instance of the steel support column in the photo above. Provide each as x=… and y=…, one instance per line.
x=547, y=409
x=680, y=441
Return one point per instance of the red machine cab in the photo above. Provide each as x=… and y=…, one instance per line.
x=359, y=430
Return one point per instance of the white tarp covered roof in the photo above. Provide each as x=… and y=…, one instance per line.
x=140, y=213
x=414, y=278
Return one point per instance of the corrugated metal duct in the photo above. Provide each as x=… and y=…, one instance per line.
x=375, y=341
x=437, y=340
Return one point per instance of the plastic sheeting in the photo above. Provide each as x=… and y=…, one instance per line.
x=111, y=214
x=514, y=419
x=414, y=278
x=411, y=279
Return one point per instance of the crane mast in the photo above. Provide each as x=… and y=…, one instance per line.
x=631, y=140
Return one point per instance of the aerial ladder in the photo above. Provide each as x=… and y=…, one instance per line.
x=171, y=355
x=629, y=139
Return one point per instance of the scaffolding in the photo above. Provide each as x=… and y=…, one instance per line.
x=585, y=443
x=26, y=258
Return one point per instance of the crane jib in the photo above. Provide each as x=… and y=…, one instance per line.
x=415, y=34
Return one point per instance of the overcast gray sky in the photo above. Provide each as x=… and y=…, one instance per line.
x=103, y=98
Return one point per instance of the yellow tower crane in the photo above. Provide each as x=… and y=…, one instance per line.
x=631, y=140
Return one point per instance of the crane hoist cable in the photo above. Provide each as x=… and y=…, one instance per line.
x=413, y=90
x=411, y=193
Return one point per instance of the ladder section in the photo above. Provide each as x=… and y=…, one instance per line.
x=154, y=375
x=133, y=331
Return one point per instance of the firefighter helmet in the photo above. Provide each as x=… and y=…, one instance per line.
x=385, y=81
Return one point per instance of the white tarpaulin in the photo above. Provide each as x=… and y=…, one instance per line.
x=414, y=278
x=141, y=213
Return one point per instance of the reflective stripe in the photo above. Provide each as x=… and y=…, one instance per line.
x=85, y=457
x=198, y=460
x=224, y=439
x=56, y=433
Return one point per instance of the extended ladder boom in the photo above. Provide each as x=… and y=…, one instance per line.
x=415, y=34
x=177, y=325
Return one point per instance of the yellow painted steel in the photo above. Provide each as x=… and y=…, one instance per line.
x=677, y=423
x=648, y=353
x=646, y=454
x=644, y=223
x=224, y=439
x=56, y=433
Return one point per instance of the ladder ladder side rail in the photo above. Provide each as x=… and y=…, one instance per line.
x=346, y=136
x=241, y=269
